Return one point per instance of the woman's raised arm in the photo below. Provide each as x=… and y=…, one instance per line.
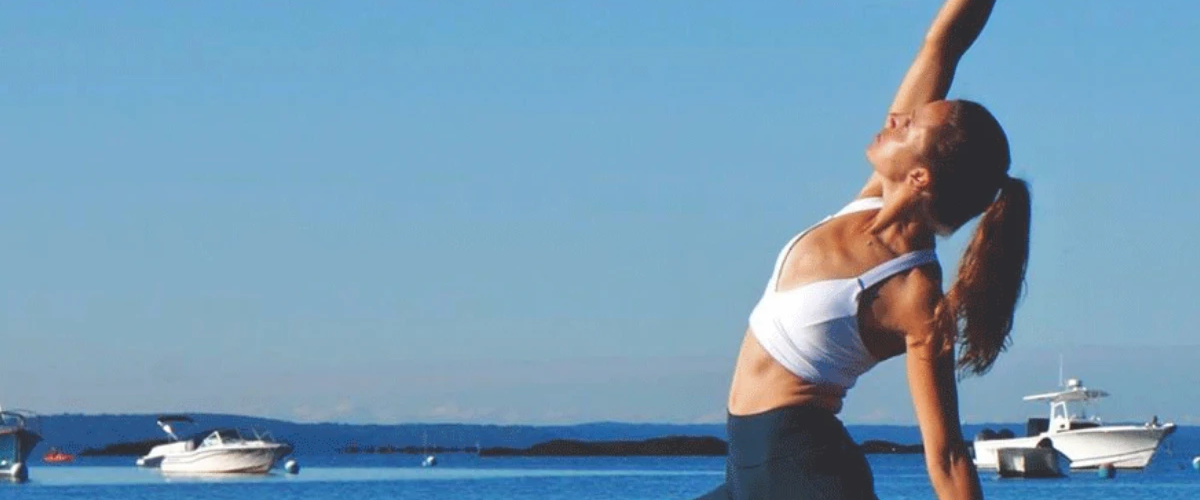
x=957, y=25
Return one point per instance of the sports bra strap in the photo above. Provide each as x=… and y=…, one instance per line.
x=896, y=265
x=860, y=205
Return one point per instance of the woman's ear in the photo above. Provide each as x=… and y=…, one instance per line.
x=918, y=179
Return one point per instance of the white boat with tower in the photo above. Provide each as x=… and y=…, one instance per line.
x=1083, y=438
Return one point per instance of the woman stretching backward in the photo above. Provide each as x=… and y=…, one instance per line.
x=864, y=285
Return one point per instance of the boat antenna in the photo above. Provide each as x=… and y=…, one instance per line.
x=1060, y=370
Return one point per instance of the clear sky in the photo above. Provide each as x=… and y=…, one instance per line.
x=547, y=212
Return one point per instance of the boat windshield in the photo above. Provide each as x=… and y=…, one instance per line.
x=256, y=434
x=221, y=436
x=229, y=436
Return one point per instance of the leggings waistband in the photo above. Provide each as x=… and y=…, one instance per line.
x=783, y=431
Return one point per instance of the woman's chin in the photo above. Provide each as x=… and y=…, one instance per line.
x=870, y=154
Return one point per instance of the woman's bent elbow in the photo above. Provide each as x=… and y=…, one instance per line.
x=953, y=474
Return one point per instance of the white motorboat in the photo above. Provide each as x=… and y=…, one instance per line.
x=19, y=433
x=218, y=451
x=1086, y=441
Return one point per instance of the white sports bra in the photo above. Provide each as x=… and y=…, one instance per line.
x=812, y=330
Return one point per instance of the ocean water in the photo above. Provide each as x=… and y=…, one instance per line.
x=466, y=477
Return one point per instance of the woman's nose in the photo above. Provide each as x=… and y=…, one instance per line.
x=895, y=120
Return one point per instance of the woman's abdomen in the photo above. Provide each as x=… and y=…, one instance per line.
x=762, y=384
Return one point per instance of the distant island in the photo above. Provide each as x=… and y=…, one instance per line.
x=678, y=446
x=878, y=446
x=388, y=449
x=665, y=446
x=132, y=449
x=134, y=435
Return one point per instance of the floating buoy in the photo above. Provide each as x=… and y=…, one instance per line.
x=1196, y=462
x=19, y=472
x=291, y=466
x=1106, y=471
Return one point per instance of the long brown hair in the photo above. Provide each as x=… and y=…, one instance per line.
x=970, y=176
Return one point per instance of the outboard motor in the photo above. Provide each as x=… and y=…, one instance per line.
x=1035, y=426
x=985, y=435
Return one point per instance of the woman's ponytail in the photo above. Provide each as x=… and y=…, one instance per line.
x=980, y=304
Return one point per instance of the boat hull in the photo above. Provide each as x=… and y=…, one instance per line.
x=150, y=461
x=1032, y=462
x=15, y=448
x=1125, y=447
x=155, y=457
x=249, y=459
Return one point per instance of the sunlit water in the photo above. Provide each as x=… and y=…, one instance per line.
x=470, y=478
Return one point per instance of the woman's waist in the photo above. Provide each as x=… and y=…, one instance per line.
x=761, y=384
x=751, y=399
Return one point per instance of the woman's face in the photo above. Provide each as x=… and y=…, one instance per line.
x=906, y=140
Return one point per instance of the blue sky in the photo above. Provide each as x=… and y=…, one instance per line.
x=546, y=212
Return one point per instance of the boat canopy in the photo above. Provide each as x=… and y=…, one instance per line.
x=168, y=419
x=175, y=418
x=1077, y=394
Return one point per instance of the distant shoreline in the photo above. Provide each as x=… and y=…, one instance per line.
x=401, y=450
x=131, y=435
x=129, y=449
x=666, y=446
x=679, y=446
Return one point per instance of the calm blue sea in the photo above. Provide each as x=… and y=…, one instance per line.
x=466, y=477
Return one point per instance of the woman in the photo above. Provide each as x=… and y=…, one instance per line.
x=864, y=285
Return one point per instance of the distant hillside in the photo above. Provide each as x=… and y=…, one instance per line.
x=663, y=446
x=133, y=449
x=73, y=433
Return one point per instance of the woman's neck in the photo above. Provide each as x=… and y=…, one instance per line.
x=903, y=220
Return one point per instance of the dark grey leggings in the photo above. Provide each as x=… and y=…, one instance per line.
x=795, y=452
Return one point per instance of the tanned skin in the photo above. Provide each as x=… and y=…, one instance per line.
x=895, y=317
